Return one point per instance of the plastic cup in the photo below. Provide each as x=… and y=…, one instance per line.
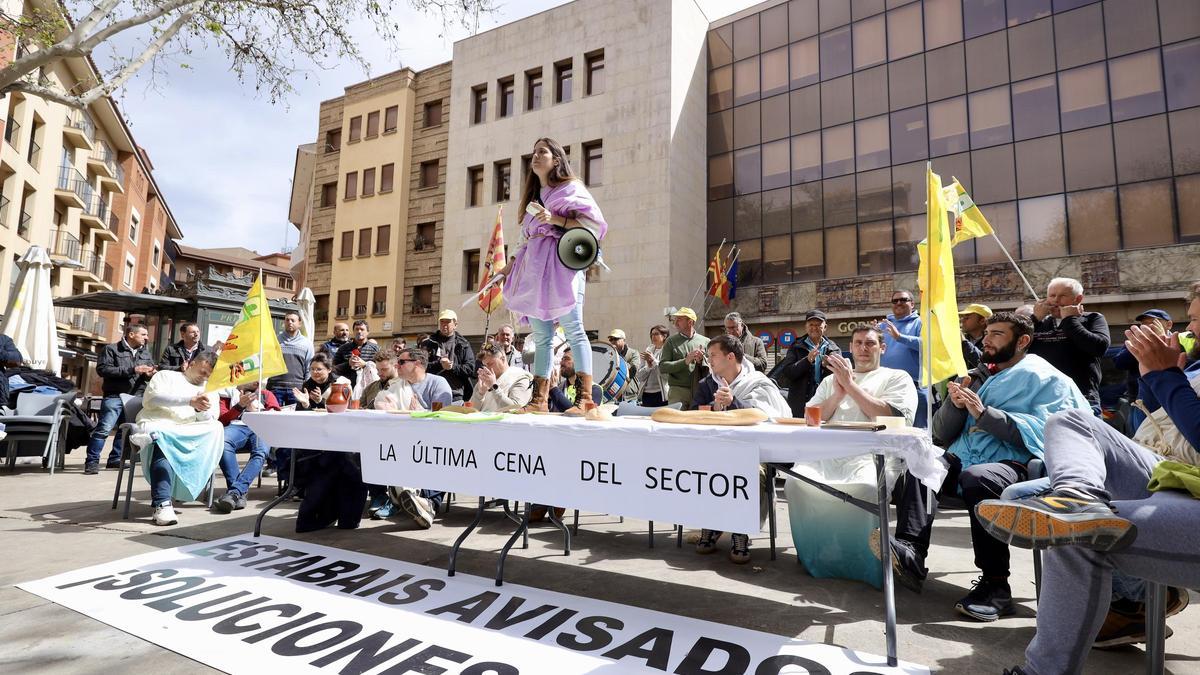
x=812, y=415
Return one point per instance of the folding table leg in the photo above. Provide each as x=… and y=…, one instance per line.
x=1156, y=627
x=885, y=561
x=129, y=486
x=523, y=527
x=466, y=533
x=652, y=534
x=771, y=506
x=286, y=494
x=560, y=525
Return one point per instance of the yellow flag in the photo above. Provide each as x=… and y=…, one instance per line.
x=969, y=222
x=493, y=264
x=941, y=341
x=252, y=349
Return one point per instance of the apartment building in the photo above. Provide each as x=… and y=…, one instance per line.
x=65, y=179
x=276, y=268
x=355, y=191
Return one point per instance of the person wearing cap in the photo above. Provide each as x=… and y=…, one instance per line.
x=683, y=358
x=752, y=346
x=973, y=321
x=1160, y=322
x=616, y=338
x=901, y=331
x=805, y=365
x=451, y=356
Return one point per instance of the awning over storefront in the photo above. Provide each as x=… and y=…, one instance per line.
x=122, y=301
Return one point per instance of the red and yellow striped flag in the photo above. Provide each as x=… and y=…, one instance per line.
x=493, y=264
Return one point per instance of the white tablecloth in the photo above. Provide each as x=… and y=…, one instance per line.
x=775, y=442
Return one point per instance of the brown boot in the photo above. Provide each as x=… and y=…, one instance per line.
x=585, y=402
x=541, y=393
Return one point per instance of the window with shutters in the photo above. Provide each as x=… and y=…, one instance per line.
x=347, y=245
x=379, y=301
x=364, y=242
x=351, y=185
x=343, y=304
x=368, y=182
x=383, y=240
x=391, y=118
x=355, y=129
x=373, y=124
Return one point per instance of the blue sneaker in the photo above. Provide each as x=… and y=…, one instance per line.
x=377, y=503
x=384, y=512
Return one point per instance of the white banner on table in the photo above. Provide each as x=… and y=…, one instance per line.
x=272, y=605
x=696, y=482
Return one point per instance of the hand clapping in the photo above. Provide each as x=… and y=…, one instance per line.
x=200, y=402
x=1154, y=352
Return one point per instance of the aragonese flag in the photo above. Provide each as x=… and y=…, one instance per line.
x=493, y=264
x=941, y=340
x=251, y=352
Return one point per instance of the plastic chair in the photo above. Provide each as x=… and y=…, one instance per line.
x=132, y=406
x=38, y=417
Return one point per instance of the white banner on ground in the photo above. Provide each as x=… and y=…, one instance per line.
x=697, y=482
x=272, y=605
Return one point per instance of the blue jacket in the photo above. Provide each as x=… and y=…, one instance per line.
x=904, y=353
x=9, y=354
x=1171, y=389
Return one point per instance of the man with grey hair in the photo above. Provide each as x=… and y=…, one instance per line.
x=752, y=347
x=505, y=339
x=1071, y=339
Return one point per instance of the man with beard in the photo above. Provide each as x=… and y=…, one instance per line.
x=991, y=426
x=451, y=356
x=564, y=395
x=353, y=356
x=341, y=335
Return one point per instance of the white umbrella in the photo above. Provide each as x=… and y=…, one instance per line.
x=307, y=302
x=29, y=320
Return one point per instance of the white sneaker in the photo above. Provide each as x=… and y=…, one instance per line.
x=418, y=508
x=165, y=515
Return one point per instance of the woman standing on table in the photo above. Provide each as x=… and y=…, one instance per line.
x=539, y=287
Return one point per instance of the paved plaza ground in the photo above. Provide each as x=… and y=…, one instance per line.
x=50, y=525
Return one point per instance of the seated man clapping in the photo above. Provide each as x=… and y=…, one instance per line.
x=238, y=436
x=500, y=387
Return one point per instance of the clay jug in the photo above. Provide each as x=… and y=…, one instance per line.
x=339, y=398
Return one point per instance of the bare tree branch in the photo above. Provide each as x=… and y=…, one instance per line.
x=134, y=64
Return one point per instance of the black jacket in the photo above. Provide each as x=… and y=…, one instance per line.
x=1075, y=347
x=174, y=356
x=116, y=364
x=796, y=374
x=462, y=358
x=9, y=354
x=341, y=360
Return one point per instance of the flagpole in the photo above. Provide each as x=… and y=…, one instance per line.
x=271, y=324
x=927, y=344
x=705, y=282
x=736, y=253
x=1016, y=267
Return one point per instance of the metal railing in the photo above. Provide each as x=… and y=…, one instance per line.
x=119, y=172
x=360, y=310
x=69, y=178
x=101, y=326
x=422, y=309
x=4, y=202
x=11, y=127
x=23, y=224
x=97, y=206
x=35, y=152
x=320, y=314
x=78, y=119
x=64, y=314
x=66, y=245
x=94, y=263
x=104, y=153
x=379, y=307
x=114, y=224
x=108, y=275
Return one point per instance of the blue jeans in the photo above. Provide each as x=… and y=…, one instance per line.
x=161, y=479
x=572, y=325
x=237, y=437
x=111, y=411
x=921, y=420
x=284, y=395
x=435, y=498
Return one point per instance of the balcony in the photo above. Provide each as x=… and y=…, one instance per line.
x=23, y=225
x=71, y=188
x=100, y=327
x=107, y=277
x=103, y=160
x=65, y=249
x=80, y=129
x=114, y=224
x=80, y=322
x=4, y=202
x=34, y=154
x=95, y=215
x=92, y=267
x=11, y=130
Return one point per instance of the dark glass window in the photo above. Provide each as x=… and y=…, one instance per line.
x=1079, y=36
x=834, y=13
x=1031, y=49
x=1003, y=219
x=1043, y=227
x=774, y=28
x=533, y=89
x=806, y=109
x=776, y=170
x=1187, y=199
x=720, y=89
x=837, y=150
x=805, y=63
x=908, y=189
x=806, y=157
x=746, y=130
x=908, y=231
x=876, y=254
x=745, y=81
x=1142, y=149
x=982, y=16
x=870, y=92
x=720, y=132
x=1179, y=19
x=1088, y=158
x=776, y=212
x=1083, y=97
x=747, y=217
x=1132, y=25
x=954, y=166
x=1020, y=11
x=909, y=135
x=747, y=171
x=904, y=31
x=871, y=143
x=1035, y=107
x=874, y=194
x=1147, y=218
x=948, y=126
x=507, y=98
x=990, y=117
x=861, y=9
x=478, y=104
x=745, y=37
x=1092, y=221
x=1136, y=85
x=946, y=72
x=1185, y=142
x=993, y=175
x=802, y=19
x=720, y=46
x=750, y=263
x=987, y=61
x=841, y=252
x=720, y=221
x=806, y=206
x=720, y=176
x=808, y=257
x=837, y=101
x=907, y=82
x=775, y=72
x=777, y=259
x=1181, y=66
x=870, y=43
x=1039, y=167
x=835, y=53
x=775, y=119
x=943, y=22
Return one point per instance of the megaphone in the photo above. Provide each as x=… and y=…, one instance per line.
x=578, y=248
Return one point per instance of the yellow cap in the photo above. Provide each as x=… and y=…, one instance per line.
x=981, y=310
x=685, y=311
x=617, y=333
x=447, y=314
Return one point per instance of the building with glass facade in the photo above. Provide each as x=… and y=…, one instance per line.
x=1074, y=124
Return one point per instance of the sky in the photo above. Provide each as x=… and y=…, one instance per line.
x=223, y=157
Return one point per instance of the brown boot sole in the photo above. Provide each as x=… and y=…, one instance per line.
x=1026, y=527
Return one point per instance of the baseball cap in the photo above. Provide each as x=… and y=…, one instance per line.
x=1153, y=314
x=447, y=314
x=617, y=333
x=685, y=311
x=981, y=310
x=814, y=314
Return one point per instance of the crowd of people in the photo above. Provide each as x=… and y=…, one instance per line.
x=1032, y=395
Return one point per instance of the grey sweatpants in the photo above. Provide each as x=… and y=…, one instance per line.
x=1085, y=453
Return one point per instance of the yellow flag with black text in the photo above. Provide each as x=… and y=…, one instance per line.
x=969, y=222
x=252, y=351
x=941, y=340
